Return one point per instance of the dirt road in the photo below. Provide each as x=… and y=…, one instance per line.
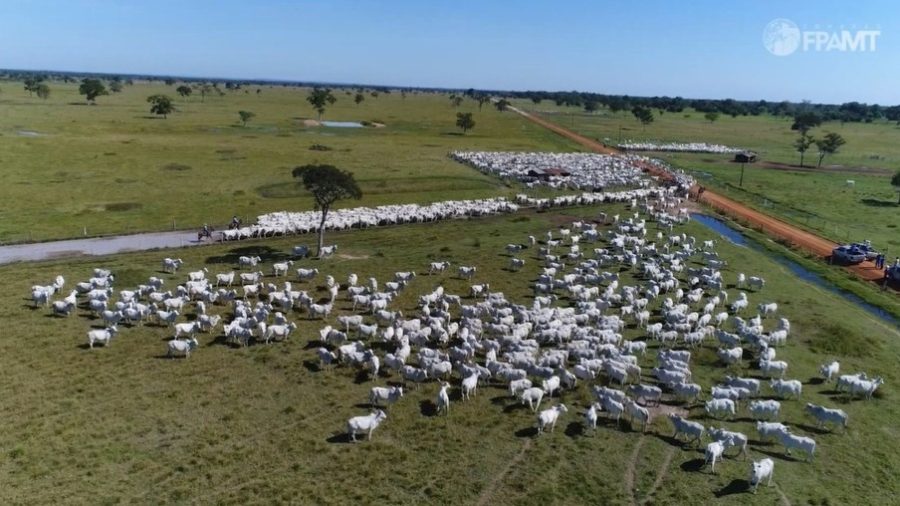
x=772, y=227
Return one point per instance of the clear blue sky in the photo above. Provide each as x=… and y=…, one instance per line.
x=696, y=48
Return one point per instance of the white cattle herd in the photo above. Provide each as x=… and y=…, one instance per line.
x=680, y=147
x=569, y=333
x=585, y=171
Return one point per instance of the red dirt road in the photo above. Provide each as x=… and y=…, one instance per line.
x=772, y=227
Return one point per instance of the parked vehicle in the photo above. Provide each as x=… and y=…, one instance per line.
x=866, y=247
x=847, y=254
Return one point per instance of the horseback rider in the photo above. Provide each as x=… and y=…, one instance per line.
x=235, y=222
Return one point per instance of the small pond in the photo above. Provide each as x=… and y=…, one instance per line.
x=342, y=124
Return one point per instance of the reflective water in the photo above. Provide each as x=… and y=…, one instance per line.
x=342, y=124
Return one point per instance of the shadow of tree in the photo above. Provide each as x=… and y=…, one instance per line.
x=879, y=203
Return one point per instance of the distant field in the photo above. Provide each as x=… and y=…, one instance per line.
x=260, y=425
x=115, y=168
x=819, y=201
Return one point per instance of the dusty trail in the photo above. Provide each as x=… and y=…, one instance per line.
x=772, y=227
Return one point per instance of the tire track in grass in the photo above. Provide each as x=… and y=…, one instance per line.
x=488, y=493
x=784, y=498
x=663, y=472
x=629, y=471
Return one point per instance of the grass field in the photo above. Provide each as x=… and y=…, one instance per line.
x=819, y=201
x=114, y=168
x=260, y=425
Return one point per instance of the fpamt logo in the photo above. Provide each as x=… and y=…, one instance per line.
x=782, y=37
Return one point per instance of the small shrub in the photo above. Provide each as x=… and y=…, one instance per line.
x=178, y=167
x=123, y=206
x=319, y=147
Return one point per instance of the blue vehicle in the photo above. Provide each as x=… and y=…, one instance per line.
x=848, y=254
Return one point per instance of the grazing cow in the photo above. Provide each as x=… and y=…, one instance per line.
x=690, y=428
x=443, y=399
x=720, y=408
x=770, y=430
x=729, y=439
x=830, y=370
x=786, y=388
x=761, y=470
x=792, y=442
x=532, y=396
x=825, y=415
x=548, y=417
x=713, y=453
x=388, y=396
x=365, y=424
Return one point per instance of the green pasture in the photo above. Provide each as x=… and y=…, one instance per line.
x=69, y=168
x=820, y=201
x=261, y=425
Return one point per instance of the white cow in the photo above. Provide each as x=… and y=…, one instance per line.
x=689, y=428
x=181, y=348
x=713, y=453
x=792, y=442
x=720, y=408
x=365, y=424
x=825, y=415
x=761, y=470
x=548, y=417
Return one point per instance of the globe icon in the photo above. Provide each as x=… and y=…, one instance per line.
x=781, y=37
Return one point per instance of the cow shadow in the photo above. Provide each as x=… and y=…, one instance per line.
x=737, y=486
x=777, y=455
x=527, y=432
x=342, y=438
x=312, y=365
x=813, y=429
x=575, y=429
x=428, y=408
x=693, y=465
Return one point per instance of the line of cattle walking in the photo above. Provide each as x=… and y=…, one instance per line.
x=572, y=332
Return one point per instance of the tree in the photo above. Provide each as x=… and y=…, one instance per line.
x=802, y=144
x=536, y=100
x=327, y=184
x=465, y=121
x=456, y=101
x=319, y=98
x=169, y=81
x=32, y=83
x=246, y=116
x=805, y=121
x=359, y=98
x=895, y=182
x=91, y=89
x=115, y=86
x=591, y=106
x=642, y=114
x=161, y=105
x=502, y=104
x=184, y=90
x=43, y=91
x=205, y=89
x=711, y=116
x=829, y=145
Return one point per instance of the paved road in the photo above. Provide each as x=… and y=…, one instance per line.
x=97, y=246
